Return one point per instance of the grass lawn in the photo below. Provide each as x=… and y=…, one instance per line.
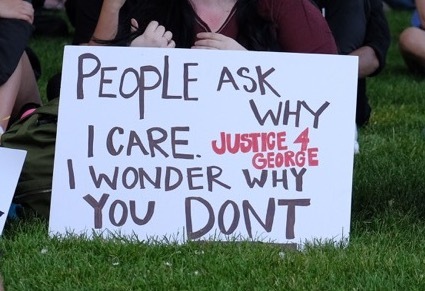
x=387, y=242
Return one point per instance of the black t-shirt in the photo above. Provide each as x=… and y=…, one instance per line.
x=356, y=23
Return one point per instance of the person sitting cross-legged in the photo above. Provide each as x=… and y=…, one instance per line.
x=361, y=29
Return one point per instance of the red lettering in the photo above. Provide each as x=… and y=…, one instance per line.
x=289, y=158
x=258, y=161
x=312, y=157
x=285, y=159
x=280, y=141
x=303, y=139
x=219, y=150
x=249, y=142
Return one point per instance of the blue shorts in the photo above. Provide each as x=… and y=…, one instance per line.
x=416, y=21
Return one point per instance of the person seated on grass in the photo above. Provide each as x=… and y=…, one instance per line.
x=265, y=25
x=18, y=85
x=361, y=29
x=412, y=41
x=275, y=25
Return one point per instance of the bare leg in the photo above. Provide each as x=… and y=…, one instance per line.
x=28, y=90
x=21, y=88
x=8, y=94
x=412, y=47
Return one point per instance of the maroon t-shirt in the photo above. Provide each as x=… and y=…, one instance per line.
x=301, y=28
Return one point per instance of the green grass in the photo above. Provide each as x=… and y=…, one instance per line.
x=387, y=243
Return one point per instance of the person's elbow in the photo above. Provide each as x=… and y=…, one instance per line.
x=373, y=66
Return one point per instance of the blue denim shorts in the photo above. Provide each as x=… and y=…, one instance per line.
x=415, y=20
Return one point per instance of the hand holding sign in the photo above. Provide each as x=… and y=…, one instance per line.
x=212, y=40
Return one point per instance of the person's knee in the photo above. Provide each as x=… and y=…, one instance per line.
x=408, y=39
x=3, y=78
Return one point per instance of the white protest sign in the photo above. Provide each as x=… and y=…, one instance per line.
x=11, y=162
x=176, y=144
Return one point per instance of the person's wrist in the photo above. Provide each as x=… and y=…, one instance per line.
x=112, y=6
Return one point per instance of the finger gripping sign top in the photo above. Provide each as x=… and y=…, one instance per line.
x=180, y=144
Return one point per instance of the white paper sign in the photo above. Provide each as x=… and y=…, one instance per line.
x=11, y=162
x=176, y=144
